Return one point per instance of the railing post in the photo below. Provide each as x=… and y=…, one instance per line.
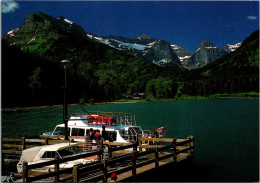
x=101, y=148
x=24, y=144
x=140, y=144
x=134, y=163
x=161, y=143
x=191, y=144
x=105, y=170
x=25, y=171
x=57, y=167
x=109, y=153
x=174, y=153
x=99, y=154
x=135, y=146
x=156, y=157
x=75, y=174
x=46, y=141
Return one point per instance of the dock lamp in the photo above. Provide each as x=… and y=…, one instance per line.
x=65, y=106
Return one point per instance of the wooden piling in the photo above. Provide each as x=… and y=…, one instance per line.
x=156, y=157
x=23, y=143
x=174, y=152
x=135, y=146
x=101, y=148
x=104, y=170
x=25, y=172
x=46, y=141
x=75, y=174
x=134, y=163
x=140, y=144
x=57, y=167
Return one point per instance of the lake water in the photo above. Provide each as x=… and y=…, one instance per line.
x=226, y=131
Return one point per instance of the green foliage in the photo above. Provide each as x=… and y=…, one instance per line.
x=236, y=95
x=35, y=80
x=161, y=88
x=91, y=101
x=82, y=101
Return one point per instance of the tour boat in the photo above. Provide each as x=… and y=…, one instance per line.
x=119, y=127
x=45, y=153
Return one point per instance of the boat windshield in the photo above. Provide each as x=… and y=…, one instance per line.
x=60, y=131
x=69, y=151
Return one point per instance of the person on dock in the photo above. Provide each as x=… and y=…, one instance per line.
x=104, y=133
x=91, y=134
x=88, y=140
x=97, y=136
x=113, y=177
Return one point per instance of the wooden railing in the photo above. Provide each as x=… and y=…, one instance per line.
x=176, y=146
x=104, y=169
x=13, y=147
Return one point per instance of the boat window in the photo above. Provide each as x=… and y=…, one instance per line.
x=66, y=152
x=87, y=131
x=60, y=131
x=77, y=149
x=49, y=154
x=111, y=135
x=77, y=132
x=123, y=134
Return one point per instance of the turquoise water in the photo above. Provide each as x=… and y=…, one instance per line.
x=226, y=131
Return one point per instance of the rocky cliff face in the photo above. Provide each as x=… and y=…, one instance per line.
x=156, y=51
x=206, y=53
x=182, y=53
x=231, y=47
x=162, y=54
x=39, y=26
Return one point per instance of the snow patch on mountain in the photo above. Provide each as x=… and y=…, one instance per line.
x=161, y=62
x=68, y=21
x=33, y=39
x=232, y=47
x=175, y=47
x=11, y=32
x=184, y=58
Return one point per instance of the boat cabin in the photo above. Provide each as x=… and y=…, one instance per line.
x=49, y=152
x=116, y=130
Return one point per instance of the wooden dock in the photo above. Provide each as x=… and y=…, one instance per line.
x=126, y=160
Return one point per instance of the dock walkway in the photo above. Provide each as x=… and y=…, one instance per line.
x=126, y=160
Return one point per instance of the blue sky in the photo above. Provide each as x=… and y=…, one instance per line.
x=184, y=23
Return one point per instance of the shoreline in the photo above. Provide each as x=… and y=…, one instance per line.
x=13, y=109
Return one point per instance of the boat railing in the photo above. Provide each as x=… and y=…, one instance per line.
x=121, y=118
x=89, y=145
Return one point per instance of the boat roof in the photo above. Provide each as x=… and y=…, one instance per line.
x=114, y=127
x=56, y=147
x=30, y=154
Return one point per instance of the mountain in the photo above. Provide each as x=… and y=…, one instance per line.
x=206, y=53
x=236, y=72
x=39, y=26
x=230, y=48
x=158, y=52
x=162, y=54
x=33, y=73
x=182, y=53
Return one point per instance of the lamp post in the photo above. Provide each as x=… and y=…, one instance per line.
x=65, y=106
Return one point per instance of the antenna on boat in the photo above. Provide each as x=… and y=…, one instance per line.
x=65, y=106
